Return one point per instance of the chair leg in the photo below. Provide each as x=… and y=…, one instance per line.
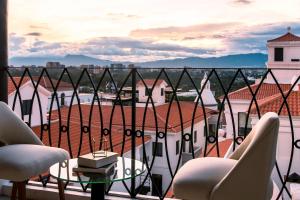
x=61, y=189
x=22, y=190
x=14, y=191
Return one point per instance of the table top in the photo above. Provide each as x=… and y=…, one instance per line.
x=122, y=172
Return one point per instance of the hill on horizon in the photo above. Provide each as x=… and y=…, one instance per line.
x=235, y=61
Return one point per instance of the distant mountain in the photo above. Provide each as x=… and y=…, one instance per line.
x=74, y=60
x=238, y=60
x=77, y=60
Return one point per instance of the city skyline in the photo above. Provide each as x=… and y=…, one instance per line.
x=132, y=30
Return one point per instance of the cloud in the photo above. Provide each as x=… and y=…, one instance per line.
x=222, y=40
x=15, y=42
x=120, y=48
x=118, y=16
x=200, y=31
x=41, y=46
x=124, y=45
x=244, y=2
x=34, y=34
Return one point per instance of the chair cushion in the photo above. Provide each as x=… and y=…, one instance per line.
x=22, y=161
x=197, y=178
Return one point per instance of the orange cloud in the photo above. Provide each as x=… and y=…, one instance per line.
x=201, y=31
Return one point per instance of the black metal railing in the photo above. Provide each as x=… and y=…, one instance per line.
x=115, y=110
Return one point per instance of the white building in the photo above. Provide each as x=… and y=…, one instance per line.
x=283, y=53
x=207, y=95
x=158, y=91
x=32, y=114
x=64, y=92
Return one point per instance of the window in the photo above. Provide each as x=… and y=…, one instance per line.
x=148, y=92
x=195, y=136
x=278, y=54
x=212, y=129
x=190, y=147
x=177, y=147
x=159, y=148
x=183, y=146
x=26, y=107
x=295, y=60
x=157, y=184
x=62, y=99
x=162, y=91
x=243, y=128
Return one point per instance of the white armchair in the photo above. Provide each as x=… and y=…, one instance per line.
x=246, y=175
x=24, y=155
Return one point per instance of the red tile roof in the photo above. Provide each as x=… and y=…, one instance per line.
x=265, y=90
x=288, y=37
x=121, y=118
x=150, y=82
x=270, y=99
x=274, y=104
x=45, y=82
x=223, y=148
x=118, y=139
x=117, y=126
x=10, y=83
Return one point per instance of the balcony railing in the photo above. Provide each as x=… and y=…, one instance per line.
x=145, y=114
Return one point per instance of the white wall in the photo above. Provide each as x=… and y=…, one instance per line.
x=156, y=93
x=236, y=106
x=68, y=97
x=291, y=51
x=161, y=163
x=26, y=93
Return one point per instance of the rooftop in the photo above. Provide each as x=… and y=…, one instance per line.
x=165, y=115
x=264, y=91
x=150, y=82
x=288, y=37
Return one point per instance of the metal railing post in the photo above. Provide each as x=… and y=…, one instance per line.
x=133, y=131
x=3, y=51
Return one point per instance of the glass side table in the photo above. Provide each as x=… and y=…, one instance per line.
x=64, y=173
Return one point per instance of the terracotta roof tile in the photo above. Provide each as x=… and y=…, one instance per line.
x=119, y=123
x=274, y=104
x=115, y=140
x=288, y=37
x=45, y=82
x=122, y=117
x=11, y=86
x=150, y=82
x=265, y=90
x=223, y=148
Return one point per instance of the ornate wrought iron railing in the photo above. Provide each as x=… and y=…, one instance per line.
x=98, y=103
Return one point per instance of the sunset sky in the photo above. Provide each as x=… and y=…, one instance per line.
x=138, y=30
